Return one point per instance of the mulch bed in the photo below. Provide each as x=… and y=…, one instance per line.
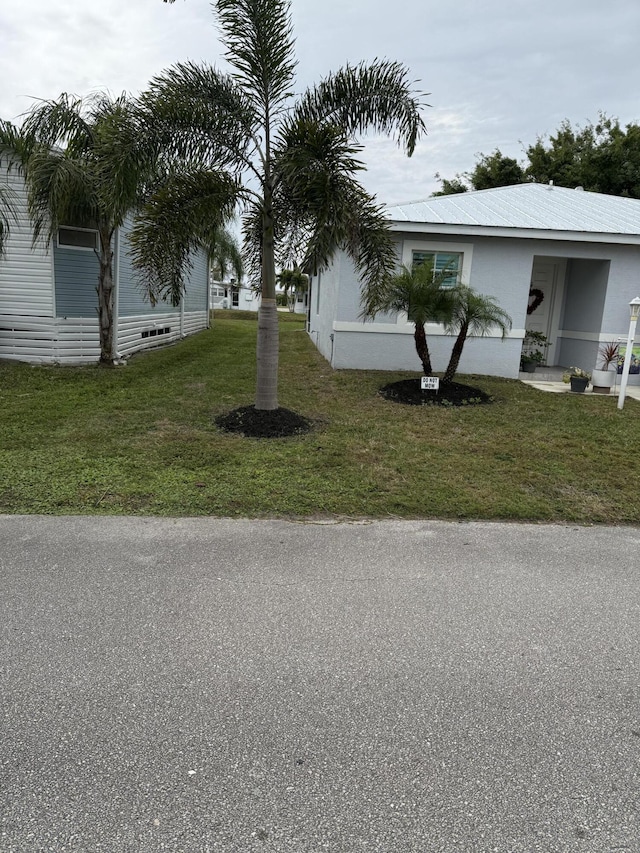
x=258, y=423
x=409, y=392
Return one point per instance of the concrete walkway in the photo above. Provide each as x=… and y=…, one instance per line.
x=550, y=379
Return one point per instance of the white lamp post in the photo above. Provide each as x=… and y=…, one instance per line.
x=634, y=306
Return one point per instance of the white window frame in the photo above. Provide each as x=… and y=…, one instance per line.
x=464, y=272
x=93, y=231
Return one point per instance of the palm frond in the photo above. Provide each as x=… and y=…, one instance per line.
x=224, y=253
x=378, y=97
x=320, y=207
x=419, y=291
x=60, y=190
x=480, y=314
x=175, y=221
x=195, y=113
x=259, y=40
x=15, y=147
x=60, y=123
x=7, y=214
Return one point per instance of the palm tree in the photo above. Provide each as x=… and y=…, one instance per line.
x=473, y=314
x=293, y=281
x=419, y=291
x=83, y=166
x=224, y=254
x=291, y=164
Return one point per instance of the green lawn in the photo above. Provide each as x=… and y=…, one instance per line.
x=141, y=440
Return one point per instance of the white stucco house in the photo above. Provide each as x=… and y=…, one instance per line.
x=581, y=250
x=48, y=300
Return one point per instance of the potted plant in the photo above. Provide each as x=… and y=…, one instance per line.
x=602, y=378
x=577, y=378
x=534, y=351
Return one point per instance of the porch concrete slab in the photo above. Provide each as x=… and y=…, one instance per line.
x=633, y=391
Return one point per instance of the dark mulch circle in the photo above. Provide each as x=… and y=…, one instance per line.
x=409, y=392
x=258, y=423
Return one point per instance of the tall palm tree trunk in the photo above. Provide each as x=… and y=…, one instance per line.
x=268, y=343
x=456, y=352
x=105, y=298
x=422, y=349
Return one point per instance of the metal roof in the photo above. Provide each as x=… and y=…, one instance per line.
x=537, y=207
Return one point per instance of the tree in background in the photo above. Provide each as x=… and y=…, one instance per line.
x=291, y=164
x=491, y=170
x=602, y=157
x=293, y=281
x=472, y=314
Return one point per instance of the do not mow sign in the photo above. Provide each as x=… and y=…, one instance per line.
x=429, y=383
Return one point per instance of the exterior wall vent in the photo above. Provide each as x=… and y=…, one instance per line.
x=152, y=333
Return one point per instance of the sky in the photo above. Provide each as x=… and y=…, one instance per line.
x=499, y=73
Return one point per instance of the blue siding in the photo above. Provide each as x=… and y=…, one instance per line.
x=131, y=297
x=132, y=300
x=76, y=280
x=196, y=292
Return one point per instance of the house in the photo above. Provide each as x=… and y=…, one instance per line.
x=48, y=300
x=238, y=297
x=561, y=261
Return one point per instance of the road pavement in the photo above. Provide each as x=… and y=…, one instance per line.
x=200, y=685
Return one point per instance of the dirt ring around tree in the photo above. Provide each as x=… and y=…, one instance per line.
x=258, y=423
x=409, y=392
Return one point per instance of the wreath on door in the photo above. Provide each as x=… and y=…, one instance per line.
x=538, y=299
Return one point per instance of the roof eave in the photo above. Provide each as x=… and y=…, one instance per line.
x=522, y=233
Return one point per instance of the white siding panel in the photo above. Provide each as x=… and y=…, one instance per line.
x=130, y=330
x=49, y=340
x=26, y=272
x=56, y=340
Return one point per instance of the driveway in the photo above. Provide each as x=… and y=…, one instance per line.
x=216, y=685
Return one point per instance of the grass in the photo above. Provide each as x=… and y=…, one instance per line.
x=141, y=440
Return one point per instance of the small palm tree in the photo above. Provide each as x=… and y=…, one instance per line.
x=293, y=281
x=83, y=165
x=290, y=164
x=473, y=314
x=421, y=293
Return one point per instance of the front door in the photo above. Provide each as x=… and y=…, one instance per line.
x=547, y=279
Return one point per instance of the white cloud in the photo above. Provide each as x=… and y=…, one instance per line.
x=497, y=72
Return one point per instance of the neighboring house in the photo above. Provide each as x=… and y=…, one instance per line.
x=228, y=294
x=580, y=250
x=48, y=301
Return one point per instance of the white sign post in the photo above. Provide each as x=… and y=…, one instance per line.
x=430, y=383
x=634, y=305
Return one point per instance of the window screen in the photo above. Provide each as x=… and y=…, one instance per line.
x=77, y=238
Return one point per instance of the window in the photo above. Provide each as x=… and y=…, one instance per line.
x=77, y=238
x=449, y=261
x=441, y=252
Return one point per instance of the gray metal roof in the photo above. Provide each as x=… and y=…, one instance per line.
x=527, y=206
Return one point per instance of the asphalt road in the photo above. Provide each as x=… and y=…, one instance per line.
x=216, y=685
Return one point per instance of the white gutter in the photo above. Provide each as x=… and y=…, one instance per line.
x=522, y=233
